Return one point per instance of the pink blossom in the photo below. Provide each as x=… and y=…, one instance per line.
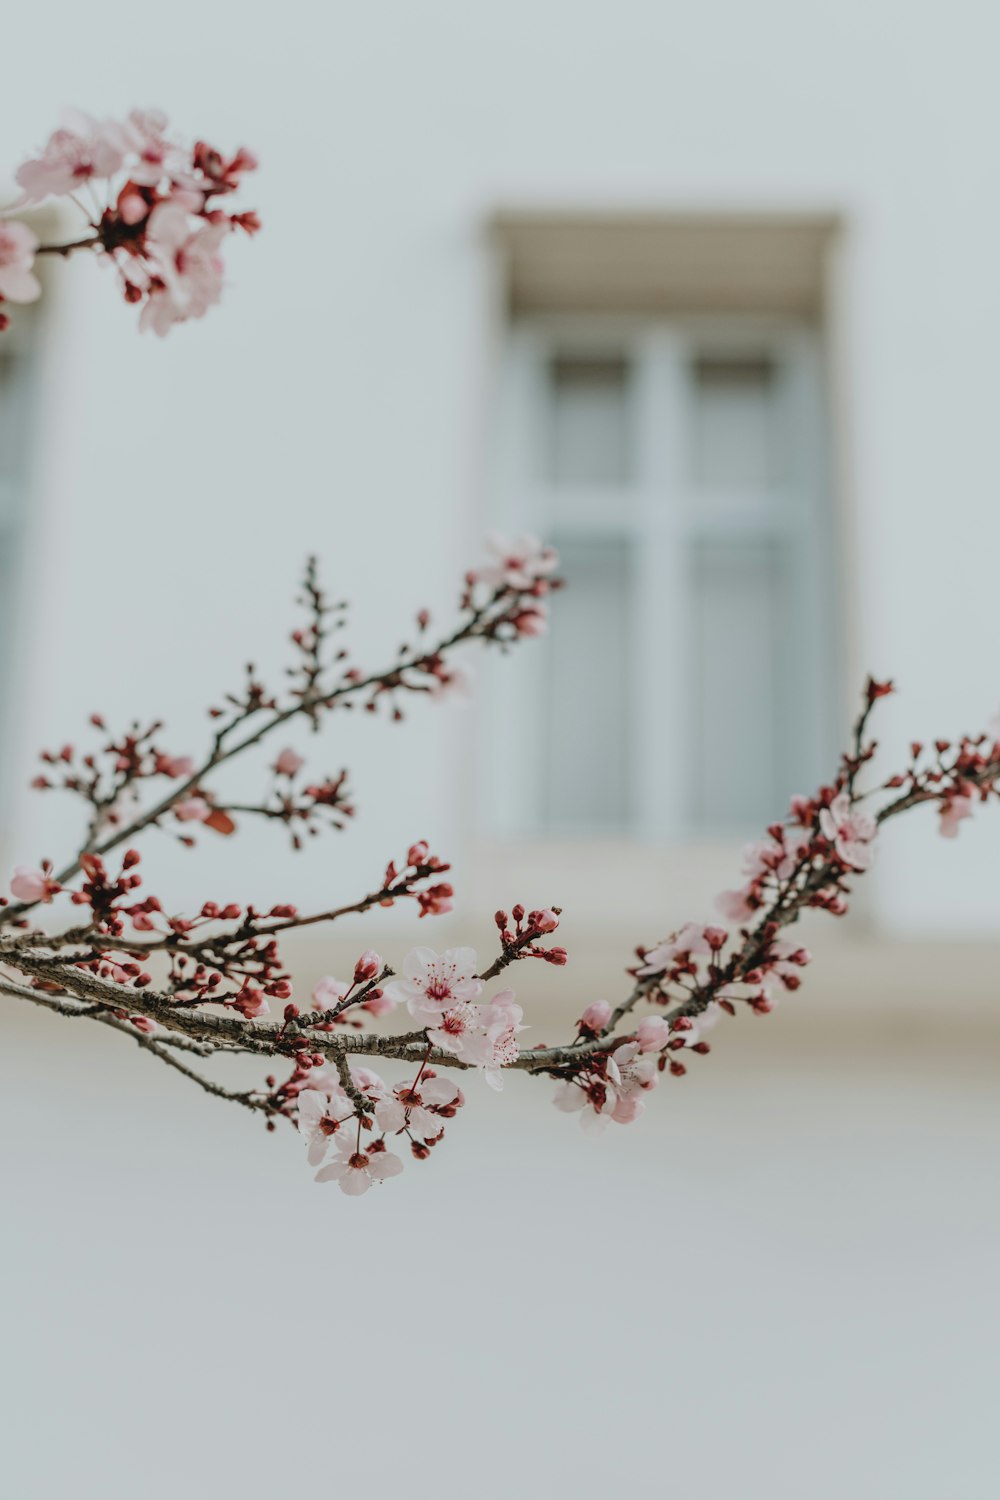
x=176, y=766
x=326, y=1080
x=531, y=621
x=771, y=857
x=596, y=1016
x=319, y=1116
x=849, y=831
x=289, y=763
x=631, y=1075
x=617, y=1095
x=690, y=940
x=570, y=1098
x=520, y=561
x=734, y=905
x=436, y=982
x=784, y=962
x=653, y=1033
x=354, y=1171
x=83, y=150
x=596, y=1109
x=329, y=992
x=378, y=1004
x=18, y=244
x=483, y=1036
x=143, y=1023
x=32, y=885
x=546, y=921
x=157, y=156
x=192, y=810
x=629, y=1071
x=189, y=266
x=369, y=1083
x=436, y=899
x=953, y=812
x=417, y=1107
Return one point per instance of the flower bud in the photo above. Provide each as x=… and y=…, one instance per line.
x=288, y=763
x=595, y=1017
x=367, y=966
x=653, y=1033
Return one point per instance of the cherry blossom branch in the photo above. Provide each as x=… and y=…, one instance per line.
x=157, y=1047
x=509, y=610
x=212, y=976
x=808, y=862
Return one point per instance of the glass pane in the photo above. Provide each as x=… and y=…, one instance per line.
x=737, y=730
x=734, y=422
x=589, y=437
x=587, y=691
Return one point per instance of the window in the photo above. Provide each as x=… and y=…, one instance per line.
x=678, y=463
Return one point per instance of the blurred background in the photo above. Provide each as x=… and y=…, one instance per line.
x=705, y=297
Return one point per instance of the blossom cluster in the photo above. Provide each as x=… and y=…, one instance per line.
x=441, y=991
x=155, y=209
x=362, y=1139
x=704, y=972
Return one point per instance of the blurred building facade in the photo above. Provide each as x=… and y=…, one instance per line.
x=717, y=327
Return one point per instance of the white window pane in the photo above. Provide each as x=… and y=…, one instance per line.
x=736, y=620
x=589, y=437
x=588, y=691
x=735, y=436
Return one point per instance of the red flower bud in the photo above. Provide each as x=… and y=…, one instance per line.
x=367, y=966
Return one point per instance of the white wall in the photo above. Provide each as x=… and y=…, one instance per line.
x=337, y=400
x=780, y=1283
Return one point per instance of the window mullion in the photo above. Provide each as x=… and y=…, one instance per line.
x=660, y=730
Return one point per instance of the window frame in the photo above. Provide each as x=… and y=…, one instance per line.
x=661, y=508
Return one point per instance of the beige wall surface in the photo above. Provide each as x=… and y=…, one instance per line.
x=779, y=1283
